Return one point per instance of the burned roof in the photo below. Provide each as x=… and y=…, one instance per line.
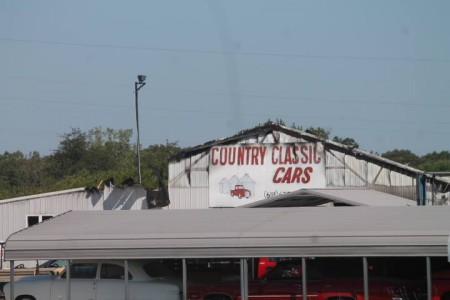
x=273, y=129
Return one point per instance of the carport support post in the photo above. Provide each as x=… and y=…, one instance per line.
x=304, y=286
x=125, y=263
x=11, y=274
x=421, y=189
x=67, y=280
x=366, y=279
x=184, y=269
x=429, y=286
x=244, y=279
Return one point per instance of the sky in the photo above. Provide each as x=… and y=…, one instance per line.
x=376, y=71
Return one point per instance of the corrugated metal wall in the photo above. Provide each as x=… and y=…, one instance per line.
x=341, y=171
x=188, y=180
x=14, y=212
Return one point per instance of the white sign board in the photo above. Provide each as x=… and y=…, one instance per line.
x=241, y=174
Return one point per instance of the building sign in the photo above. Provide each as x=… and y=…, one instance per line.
x=241, y=174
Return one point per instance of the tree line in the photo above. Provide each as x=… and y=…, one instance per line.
x=83, y=159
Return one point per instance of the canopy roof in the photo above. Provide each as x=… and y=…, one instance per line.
x=352, y=197
x=237, y=232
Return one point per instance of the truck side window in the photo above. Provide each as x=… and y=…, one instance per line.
x=82, y=271
x=112, y=271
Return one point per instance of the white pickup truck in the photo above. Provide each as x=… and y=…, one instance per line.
x=98, y=280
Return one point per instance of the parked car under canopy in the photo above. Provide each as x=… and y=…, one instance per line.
x=239, y=233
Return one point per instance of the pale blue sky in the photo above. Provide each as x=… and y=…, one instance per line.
x=377, y=71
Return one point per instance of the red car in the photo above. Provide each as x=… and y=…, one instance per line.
x=265, y=264
x=240, y=191
x=441, y=285
x=328, y=279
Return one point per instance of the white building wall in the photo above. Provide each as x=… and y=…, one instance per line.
x=335, y=168
x=188, y=180
x=14, y=212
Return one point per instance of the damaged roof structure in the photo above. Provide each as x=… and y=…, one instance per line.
x=335, y=197
x=190, y=171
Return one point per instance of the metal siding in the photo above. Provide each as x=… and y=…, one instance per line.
x=355, y=172
x=200, y=181
x=383, y=178
x=341, y=171
x=188, y=198
x=199, y=170
x=200, y=198
x=180, y=198
x=335, y=170
x=179, y=188
x=189, y=191
x=372, y=171
x=391, y=182
x=398, y=179
x=14, y=212
x=178, y=177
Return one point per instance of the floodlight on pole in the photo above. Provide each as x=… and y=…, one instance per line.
x=141, y=78
x=137, y=86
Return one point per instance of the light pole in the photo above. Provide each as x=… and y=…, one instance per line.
x=137, y=86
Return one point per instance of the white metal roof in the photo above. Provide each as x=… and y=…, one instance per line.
x=314, y=197
x=237, y=232
x=32, y=197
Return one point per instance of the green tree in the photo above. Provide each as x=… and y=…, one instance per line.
x=107, y=149
x=435, y=162
x=319, y=132
x=402, y=156
x=11, y=176
x=155, y=160
x=68, y=158
x=20, y=174
x=84, y=159
x=346, y=141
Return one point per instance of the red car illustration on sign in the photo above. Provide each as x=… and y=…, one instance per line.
x=240, y=191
